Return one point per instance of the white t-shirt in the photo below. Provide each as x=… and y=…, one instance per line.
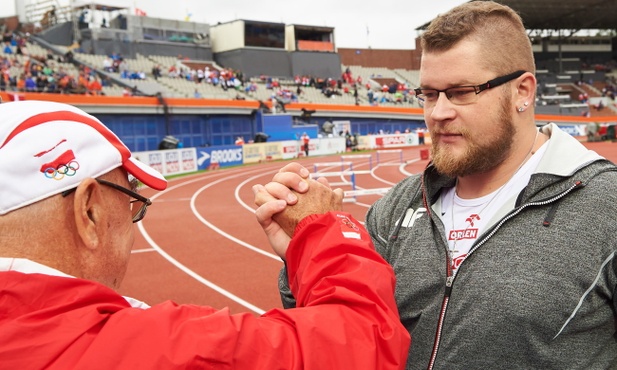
x=466, y=219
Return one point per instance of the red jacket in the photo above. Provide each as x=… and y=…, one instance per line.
x=349, y=319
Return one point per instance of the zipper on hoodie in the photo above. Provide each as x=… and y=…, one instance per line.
x=450, y=276
x=444, y=306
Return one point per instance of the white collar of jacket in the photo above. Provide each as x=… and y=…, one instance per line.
x=564, y=154
x=30, y=267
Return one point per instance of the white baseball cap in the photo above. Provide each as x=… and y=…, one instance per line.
x=47, y=148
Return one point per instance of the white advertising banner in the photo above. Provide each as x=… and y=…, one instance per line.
x=170, y=162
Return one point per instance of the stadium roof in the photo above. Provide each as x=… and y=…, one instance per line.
x=563, y=14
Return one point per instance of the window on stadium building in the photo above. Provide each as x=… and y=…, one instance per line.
x=264, y=35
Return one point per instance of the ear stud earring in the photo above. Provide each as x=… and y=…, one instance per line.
x=520, y=109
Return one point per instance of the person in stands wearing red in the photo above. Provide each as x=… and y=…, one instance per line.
x=68, y=202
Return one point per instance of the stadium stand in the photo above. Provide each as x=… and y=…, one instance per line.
x=181, y=70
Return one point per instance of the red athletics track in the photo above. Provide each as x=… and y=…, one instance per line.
x=200, y=242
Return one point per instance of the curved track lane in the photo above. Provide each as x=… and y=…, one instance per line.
x=200, y=242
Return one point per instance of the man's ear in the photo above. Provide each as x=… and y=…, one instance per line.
x=526, y=90
x=89, y=212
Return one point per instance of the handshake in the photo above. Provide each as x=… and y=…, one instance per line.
x=290, y=197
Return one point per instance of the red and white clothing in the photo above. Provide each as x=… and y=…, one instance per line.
x=54, y=321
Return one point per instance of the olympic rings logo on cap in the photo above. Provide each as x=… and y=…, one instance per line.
x=69, y=169
x=64, y=165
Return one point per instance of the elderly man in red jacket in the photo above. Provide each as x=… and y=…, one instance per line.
x=68, y=202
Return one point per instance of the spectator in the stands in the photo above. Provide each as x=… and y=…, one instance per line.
x=384, y=98
x=347, y=76
x=42, y=83
x=21, y=83
x=172, y=72
x=200, y=75
x=3, y=83
x=66, y=84
x=398, y=97
x=123, y=68
x=30, y=83
x=376, y=98
x=7, y=37
x=393, y=87
x=240, y=77
x=68, y=56
x=52, y=84
x=250, y=88
x=108, y=64
x=94, y=86
x=156, y=71
x=82, y=83
x=214, y=78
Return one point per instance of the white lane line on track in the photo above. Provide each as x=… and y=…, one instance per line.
x=221, y=232
x=191, y=273
x=185, y=269
x=240, y=186
x=402, y=166
x=198, y=277
x=379, y=178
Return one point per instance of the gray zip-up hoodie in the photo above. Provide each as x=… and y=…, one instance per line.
x=538, y=288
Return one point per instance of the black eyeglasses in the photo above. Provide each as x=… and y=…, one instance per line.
x=138, y=212
x=462, y=95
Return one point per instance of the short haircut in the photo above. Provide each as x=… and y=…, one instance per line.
x=503, y=39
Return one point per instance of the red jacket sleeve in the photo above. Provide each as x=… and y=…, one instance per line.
x=346, y=316
x=352, y=320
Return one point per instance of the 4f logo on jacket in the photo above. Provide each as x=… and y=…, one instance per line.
x=412, y=215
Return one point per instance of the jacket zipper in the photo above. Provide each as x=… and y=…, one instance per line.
x=442, y=315
x=450, y=277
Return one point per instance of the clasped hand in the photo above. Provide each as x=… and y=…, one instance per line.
x=290, y=197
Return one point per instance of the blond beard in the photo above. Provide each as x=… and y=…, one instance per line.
x=477, y=157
